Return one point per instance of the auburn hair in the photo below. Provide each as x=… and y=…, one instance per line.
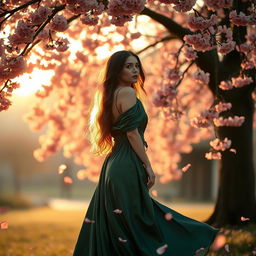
x=101, y=116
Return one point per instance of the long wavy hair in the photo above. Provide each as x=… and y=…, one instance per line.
x=100, y=116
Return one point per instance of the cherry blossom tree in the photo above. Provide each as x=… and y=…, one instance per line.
x=200, y=61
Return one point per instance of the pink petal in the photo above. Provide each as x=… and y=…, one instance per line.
x=161, y=249
x=3, y=225
x=186, y=167
x=233, y=150
x=168, y=216
x=199, y=250
x=68, y=180
x=117, y=211
x=226, y=247
x=89, y=221
x=122, y=240
x=244, y=219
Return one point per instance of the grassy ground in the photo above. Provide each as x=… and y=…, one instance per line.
x=44, y=231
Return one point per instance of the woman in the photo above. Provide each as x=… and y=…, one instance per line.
x=122, y=219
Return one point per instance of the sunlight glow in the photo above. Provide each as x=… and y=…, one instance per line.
x=30, y=83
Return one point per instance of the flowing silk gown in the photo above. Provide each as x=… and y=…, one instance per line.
x=122, y=219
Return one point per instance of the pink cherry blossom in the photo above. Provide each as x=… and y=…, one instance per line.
x=239, y=19
x=213, y=155
x=189, y=53
x=201, y=77
x=220, y=145
x=199, y=42
x=245, y=48
x=59, y=23
x=89, y=20
x=222, y=106
x=120, y=20
x=4, y=103
x=201, y=23
x=125, y=7
x=226, y=85
x=235, y=121
x=218, y=4
x=23, y=34
x=241, y=81
x=40, y=15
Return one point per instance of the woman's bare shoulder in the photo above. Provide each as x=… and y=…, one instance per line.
x=127, y=91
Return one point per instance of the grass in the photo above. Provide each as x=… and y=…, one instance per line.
x=48, y=232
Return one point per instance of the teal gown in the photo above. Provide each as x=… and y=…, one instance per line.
x=139, y=228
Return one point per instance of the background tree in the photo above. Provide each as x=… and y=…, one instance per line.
x=200, y=63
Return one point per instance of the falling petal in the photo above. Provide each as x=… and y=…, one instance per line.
x=168, y=216
x=117, y=211
x=219, y=242
x=244, y=219
x=186, y=167
x=122, y=240
x=62, y=168
x=161, y=249
x=154, y=192
x=226, y=247
x=68, y=180
x=199, y=250
x=3, y=225
x=233, y=150
x=89, y=221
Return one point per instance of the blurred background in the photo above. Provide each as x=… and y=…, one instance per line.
x=40, y=183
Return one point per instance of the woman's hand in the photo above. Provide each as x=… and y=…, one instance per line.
x=151, y=177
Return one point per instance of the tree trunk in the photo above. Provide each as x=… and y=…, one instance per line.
x=236, y=191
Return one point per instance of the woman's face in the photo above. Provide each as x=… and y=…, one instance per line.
x=130, y=72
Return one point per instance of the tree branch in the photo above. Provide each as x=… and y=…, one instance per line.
x=173, y=27
x=11, y=12
x=54, y=12
x=207, y=61
x=166, y=38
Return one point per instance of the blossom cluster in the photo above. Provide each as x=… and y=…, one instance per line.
x=220, y=145
x=222, y=106
x=201, y=23
x=218, y=4
x=236, y=82
x=241, y=19
x=201, y=77
x=180, y=6
x=204, y=119
x=235, y=121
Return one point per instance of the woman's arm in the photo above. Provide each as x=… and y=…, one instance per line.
x=127, y=100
